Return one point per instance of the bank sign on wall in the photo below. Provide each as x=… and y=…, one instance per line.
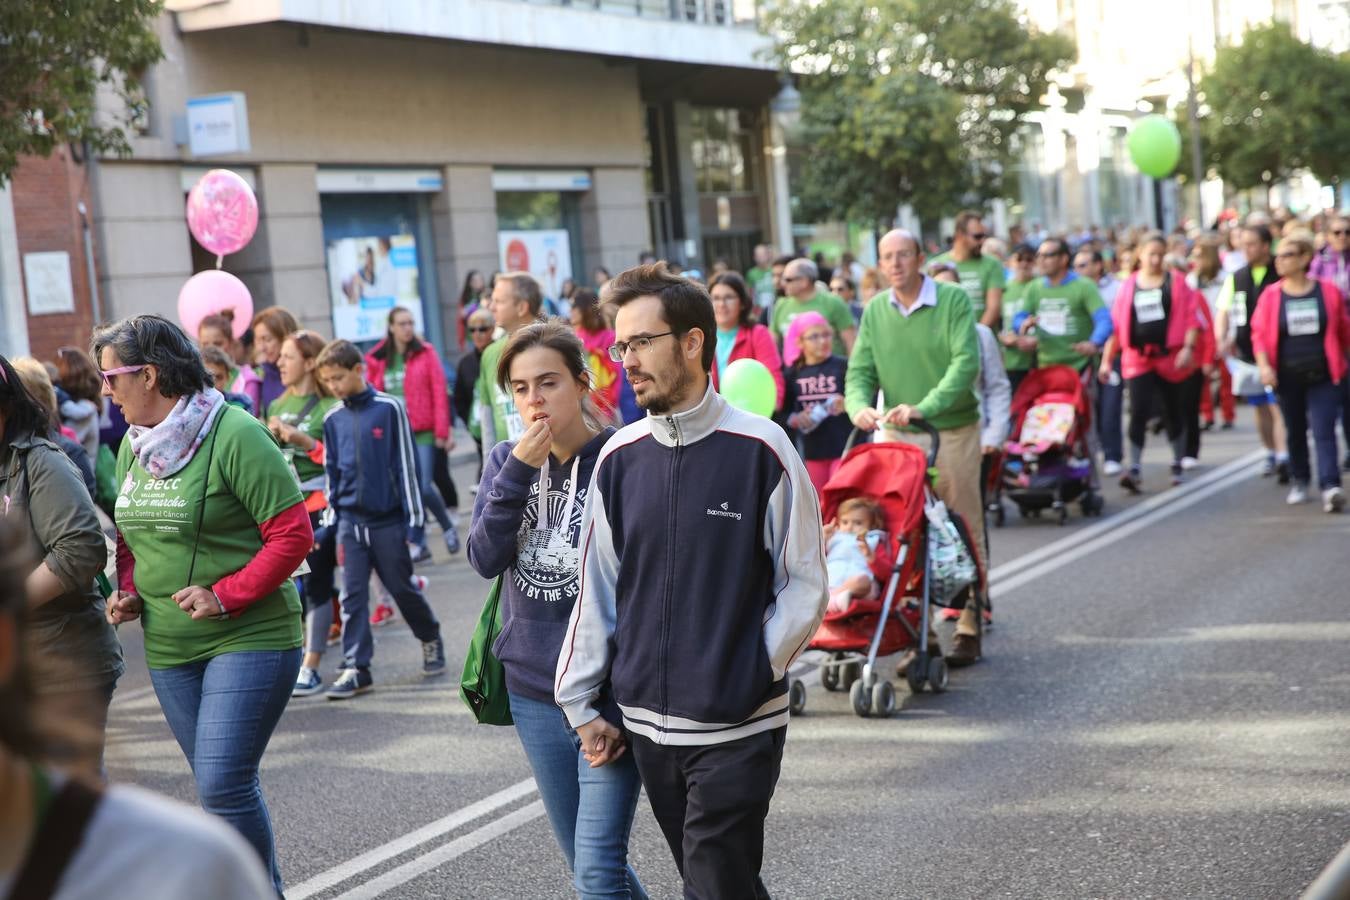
x=369, y=276
x=547, y=255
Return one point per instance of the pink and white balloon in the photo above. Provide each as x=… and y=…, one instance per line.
x=222, y=212
x=211, y=292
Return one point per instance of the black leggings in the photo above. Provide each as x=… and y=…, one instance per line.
x=1191, y=389
x=1146, y=391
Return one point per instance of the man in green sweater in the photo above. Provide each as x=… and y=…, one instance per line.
x=917, y=344
x=981, y=276
x=516, y=300
x=802, y=295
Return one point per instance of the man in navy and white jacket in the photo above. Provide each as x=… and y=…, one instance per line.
x=703, y=577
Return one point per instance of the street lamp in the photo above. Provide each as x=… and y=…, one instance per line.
x=785, y=112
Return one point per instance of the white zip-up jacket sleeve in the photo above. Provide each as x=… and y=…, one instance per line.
x=584, y=660
x=793, y=535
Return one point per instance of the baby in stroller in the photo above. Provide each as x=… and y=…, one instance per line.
x=857, y=556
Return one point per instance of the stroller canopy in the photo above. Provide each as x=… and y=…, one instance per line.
x=893, y=473
x=1052, y=384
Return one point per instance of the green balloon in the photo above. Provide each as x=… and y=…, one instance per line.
x=1155, y=145
x=748, y=385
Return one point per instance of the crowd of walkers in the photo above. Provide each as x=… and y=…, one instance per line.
x=260, y=490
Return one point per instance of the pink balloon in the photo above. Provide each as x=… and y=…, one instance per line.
x=222, y=212
x=211, y=292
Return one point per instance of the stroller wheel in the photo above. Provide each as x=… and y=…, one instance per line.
x=883, y=699
x=917, y=672
x=1063, y=515
x=848, y=675
x=796, y=697
x=937, y=674
x=830, y=675
x=861, y=699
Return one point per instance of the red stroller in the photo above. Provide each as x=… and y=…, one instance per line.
x=1048, y=463
x=897, y=475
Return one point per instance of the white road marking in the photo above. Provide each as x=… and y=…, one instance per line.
x=1006, y=577
x=372, y=858
x=441, y=855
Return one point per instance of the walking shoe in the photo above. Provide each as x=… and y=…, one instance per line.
x=1268, y=467
x=452, y=539
x=1189, y=462
x=1282, y=473
x=420, y=582
x=1130, y=481
x=1177, y=476
x=350, y=683
x=1227, y=426
x=307, y=682
x=383, y=615
x=433, y=657
x=1208, y=426
x=1111, y=468
x=419, y=552
x=965, y=651
x=1297, y=494
x=1333, y=500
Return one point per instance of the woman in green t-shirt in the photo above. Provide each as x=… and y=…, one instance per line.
x=210, y=527
x=296, y=420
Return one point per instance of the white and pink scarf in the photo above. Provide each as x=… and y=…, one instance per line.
x=167, y=447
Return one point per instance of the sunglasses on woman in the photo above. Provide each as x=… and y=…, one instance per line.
x=120, y=370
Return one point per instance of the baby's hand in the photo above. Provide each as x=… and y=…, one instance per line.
x=867, y=551
x=831, y=528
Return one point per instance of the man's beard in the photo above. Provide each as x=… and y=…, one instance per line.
x=660, y=403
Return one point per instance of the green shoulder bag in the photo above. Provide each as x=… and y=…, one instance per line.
x=483, y=684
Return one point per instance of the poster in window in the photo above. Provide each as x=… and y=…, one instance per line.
x=547, y=255
x=369, y=276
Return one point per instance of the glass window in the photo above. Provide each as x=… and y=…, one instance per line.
x=722, y=148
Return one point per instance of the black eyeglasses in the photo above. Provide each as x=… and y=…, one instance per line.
x=978, y=238
x=619, y=350
x=1340, y=232
x=480, y=329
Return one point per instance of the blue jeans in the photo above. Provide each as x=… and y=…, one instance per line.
x=222, y=712
x=431, y=497
x=1320, y=403
x=381, y=547
x=1110, y=415
x=591, y=810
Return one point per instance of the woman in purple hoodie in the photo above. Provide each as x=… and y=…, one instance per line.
x=526, y=524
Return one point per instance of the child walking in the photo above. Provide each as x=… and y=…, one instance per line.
x=814, y=396
x=373, y=495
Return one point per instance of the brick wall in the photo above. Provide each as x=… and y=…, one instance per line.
x=46, y=194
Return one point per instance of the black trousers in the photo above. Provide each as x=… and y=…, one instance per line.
x=1145, y=390
x=710, y=802
x=1191, y=389
x=440, y=476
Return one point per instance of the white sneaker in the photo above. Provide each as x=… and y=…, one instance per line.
x=1111, y=468
x=1333, y=500
x=1189, y=462
x=1297, y=494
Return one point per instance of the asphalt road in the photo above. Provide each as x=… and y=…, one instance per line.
x=1163, y=711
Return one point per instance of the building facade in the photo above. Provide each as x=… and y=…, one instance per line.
x=429, y=139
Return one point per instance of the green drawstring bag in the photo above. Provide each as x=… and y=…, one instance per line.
x=483, y=684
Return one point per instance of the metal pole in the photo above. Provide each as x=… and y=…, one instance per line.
x=94, y=305
x=1197, y=156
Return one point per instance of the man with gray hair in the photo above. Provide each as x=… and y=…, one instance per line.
x=917, y=346
x=801, y=294
x=515, y=303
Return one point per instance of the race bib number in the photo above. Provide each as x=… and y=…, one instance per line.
x=1239, y=311
x=1148, y=306
x=1304, y=317
x=1053, y=318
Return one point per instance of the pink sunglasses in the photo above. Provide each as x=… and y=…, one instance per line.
x=120, y=370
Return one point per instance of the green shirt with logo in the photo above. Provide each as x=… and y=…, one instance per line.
x=833, y=308
x=290, y=409
x=241, y=477
x=1063, y=318
x=395, y=373
x=979, y=275
x=505, y=422
x=1014, y=302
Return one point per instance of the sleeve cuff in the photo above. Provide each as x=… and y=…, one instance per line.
x=515, y=475
x=580, y=712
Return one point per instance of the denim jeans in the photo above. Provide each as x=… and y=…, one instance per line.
x=222, y=712
x=381, y=547
x=1319, y=404
x=591, y=810
x=1110, y=418
x=431, y=497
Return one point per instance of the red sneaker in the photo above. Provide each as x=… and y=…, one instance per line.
x=383, y=615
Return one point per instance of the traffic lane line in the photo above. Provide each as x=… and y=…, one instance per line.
x=397, y=847
x=444, y=854
x=1007, y=577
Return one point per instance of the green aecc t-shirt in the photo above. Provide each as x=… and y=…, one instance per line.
x=288, y=409
x=244, y=480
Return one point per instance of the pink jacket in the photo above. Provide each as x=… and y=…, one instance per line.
x=1183, y=317
x=1336, y=340
x=756, y=342
x=423, y=388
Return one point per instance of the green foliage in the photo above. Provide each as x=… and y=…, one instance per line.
x=55, y=56
x=910, y=101
x=1272, y=106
